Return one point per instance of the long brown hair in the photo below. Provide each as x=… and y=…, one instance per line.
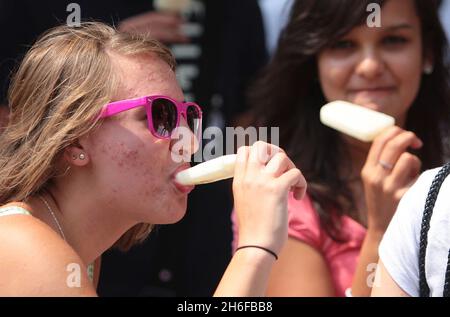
x=58, y=90
x=288, y=95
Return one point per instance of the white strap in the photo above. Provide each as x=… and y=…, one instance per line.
x=13, y=210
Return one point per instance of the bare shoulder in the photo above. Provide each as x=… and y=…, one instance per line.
x=37, y=262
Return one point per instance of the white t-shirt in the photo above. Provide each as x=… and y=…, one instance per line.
x=399, y=249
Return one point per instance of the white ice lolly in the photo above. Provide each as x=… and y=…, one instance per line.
x=208, y=172
x=361, y=123
x=176, y=6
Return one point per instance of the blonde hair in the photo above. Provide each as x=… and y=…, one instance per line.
x=59, y=88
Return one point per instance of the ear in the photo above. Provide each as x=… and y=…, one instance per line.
x=76, y=155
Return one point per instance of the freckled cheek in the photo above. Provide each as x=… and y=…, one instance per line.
x=136, y=163
x=144, y=170
x=117, y=155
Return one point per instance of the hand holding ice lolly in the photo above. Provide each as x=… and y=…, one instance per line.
x=215, y=170
x=361, y=123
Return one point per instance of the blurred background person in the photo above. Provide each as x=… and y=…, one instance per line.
x=327, y=52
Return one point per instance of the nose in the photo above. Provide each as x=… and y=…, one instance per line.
x=183, y=141
x=371, y=64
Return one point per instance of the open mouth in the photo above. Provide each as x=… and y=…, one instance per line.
x=181, y=188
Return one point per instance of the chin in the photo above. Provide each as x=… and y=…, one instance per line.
x=175, y=211
x=165, y=212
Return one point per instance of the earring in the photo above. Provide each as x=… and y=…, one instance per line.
x=428, y=69
x=82, y=156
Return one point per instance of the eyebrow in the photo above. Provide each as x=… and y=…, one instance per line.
x=399, y=26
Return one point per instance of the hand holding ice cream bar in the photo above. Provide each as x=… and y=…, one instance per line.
x=361, y=123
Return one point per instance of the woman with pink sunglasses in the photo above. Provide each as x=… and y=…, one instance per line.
x=86, y=163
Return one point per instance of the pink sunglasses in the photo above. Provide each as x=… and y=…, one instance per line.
x=163, y=114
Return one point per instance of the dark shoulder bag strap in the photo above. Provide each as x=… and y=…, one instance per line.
x=427, y=213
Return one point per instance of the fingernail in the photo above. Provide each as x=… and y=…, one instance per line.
x=420, y=143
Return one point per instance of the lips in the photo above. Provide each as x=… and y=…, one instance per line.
x=366, y=95
x=372, y=89
x=181, y=188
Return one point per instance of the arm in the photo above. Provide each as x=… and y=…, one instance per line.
x=247, y=274
x=385, y=286
x=44, y=266
x=384, y=186
x=398, y=267
x=300, y=271
x=261, y=184
x=362, y=280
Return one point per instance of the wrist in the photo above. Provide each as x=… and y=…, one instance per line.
x=259, y=241
x=269, y=251
x=376, y=228
x=256, y=254
x=375, y=234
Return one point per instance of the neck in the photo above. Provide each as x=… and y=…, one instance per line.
x=82, y=219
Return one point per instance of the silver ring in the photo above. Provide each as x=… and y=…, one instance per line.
x=385, y=165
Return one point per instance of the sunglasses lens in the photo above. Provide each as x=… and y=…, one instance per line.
x=193, y=119
x=164, y=114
